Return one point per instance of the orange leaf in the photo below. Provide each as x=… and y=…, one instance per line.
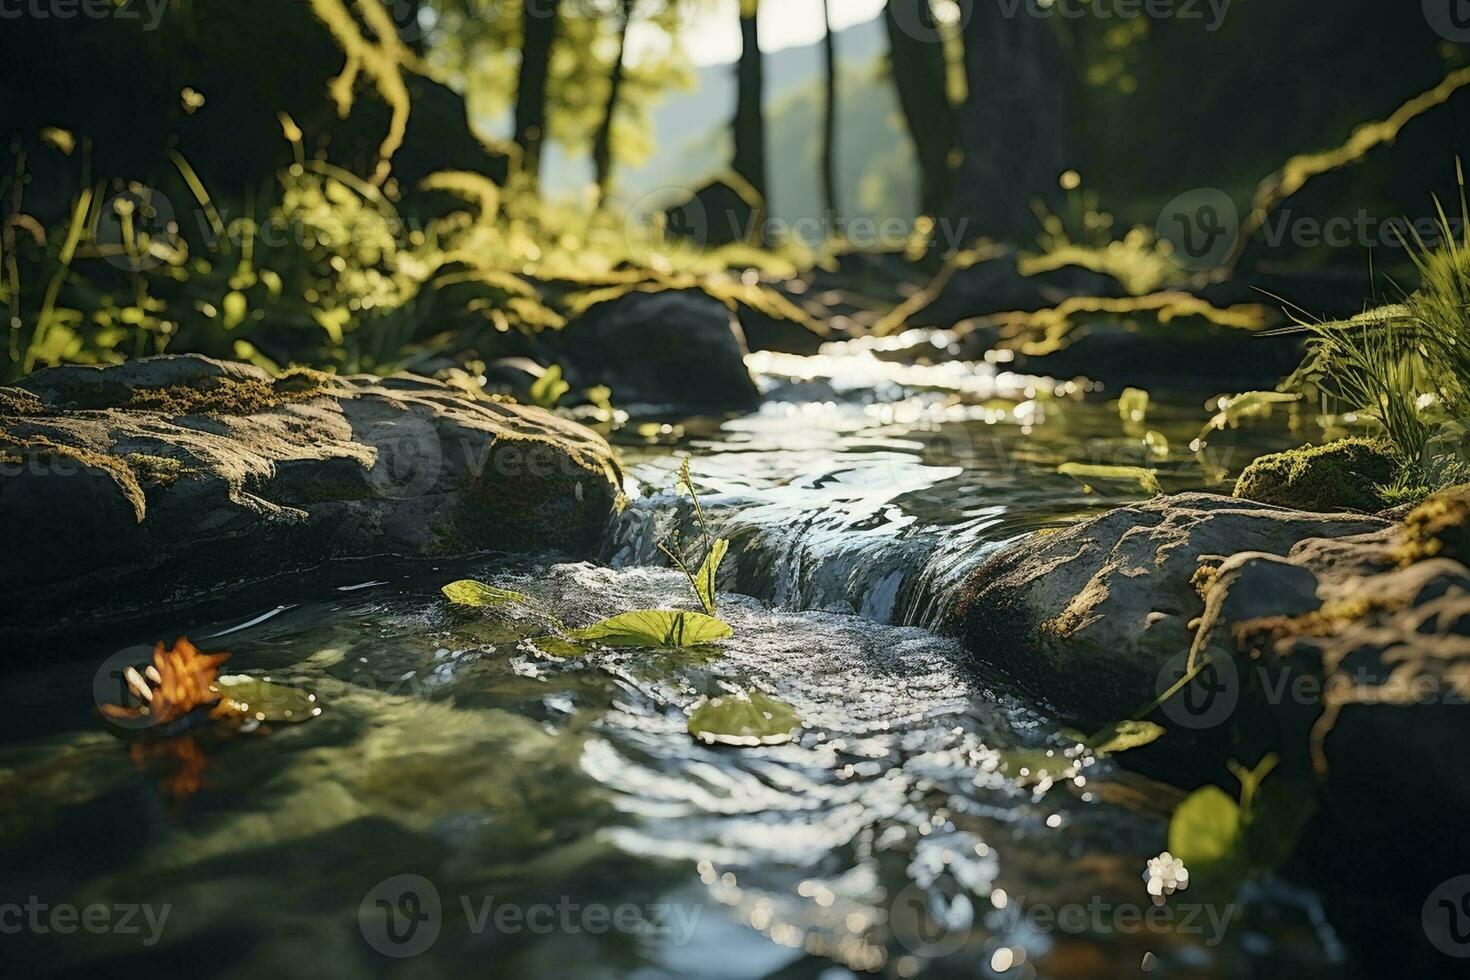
x=178, y=681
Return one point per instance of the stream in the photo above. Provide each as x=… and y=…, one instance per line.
x=527, y=815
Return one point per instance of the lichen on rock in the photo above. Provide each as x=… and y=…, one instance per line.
x=1440, y=526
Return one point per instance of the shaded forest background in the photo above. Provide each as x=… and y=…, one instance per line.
x=1045, y=132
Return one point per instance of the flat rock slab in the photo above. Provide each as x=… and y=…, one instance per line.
x=1088, y=617
x=166, y=479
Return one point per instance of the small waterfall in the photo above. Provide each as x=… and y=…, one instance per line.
x=870, y=483
x=816, y=559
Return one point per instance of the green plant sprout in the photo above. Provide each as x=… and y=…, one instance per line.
x=702, y=581
x=668, y=628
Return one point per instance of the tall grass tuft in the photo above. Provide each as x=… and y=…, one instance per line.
x=1405, y=368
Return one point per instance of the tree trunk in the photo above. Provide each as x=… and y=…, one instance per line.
x=1015, y=126
x=539, y=28
x=750, y=124
x=916, y=49
x=829, y=133
x=602, y=143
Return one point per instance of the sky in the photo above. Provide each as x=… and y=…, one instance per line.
x=713, y=34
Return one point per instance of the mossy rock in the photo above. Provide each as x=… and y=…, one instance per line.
x=1438, y=528
x=151, y=485
x=1342, y=475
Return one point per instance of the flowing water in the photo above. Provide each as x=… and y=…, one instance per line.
x=467, y=805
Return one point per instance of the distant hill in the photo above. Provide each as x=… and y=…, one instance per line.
x=691, y=132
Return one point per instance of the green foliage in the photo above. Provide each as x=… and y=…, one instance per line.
x=1205, y=828
x=1222, y=841
x=702, y=581
x=1406, y=367
x=1123, y=736
x=478, y=47
x=549, y=388
x=670, y=628
x=656, y=628
x=478, y=595
x=744, y=719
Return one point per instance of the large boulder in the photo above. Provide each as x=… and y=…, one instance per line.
x=660, y=348
x=1367, y=688
x=1340, y=642
x=1089, y=617
x=164, y=480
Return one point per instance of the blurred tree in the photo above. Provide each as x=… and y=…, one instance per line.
x=919, y=70
x=1018, y=122
x=602, y=143
x=538, y=34
x=829, y=124
x=750, y=124
x=477, y=44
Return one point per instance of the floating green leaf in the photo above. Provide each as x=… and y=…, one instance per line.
x=704, y=579
x=1123, y=736
x=1031, y=767
x=656, y=628
x=263, y=700
x=549, y=388
x=481, y=596
x=1088, y=473
x=744, y=719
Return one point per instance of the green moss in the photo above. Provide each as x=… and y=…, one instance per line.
x=1439, y=527
x=1342, y=475
x=227, y=396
